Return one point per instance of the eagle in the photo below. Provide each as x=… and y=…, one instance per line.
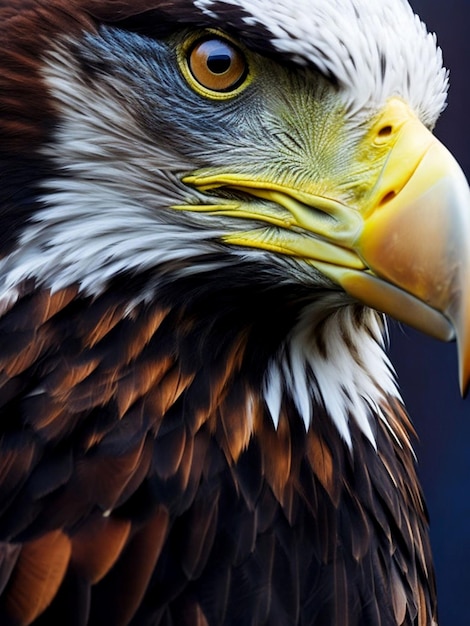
x=208, y=208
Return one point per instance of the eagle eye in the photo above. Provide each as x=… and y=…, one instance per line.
x=217, y=65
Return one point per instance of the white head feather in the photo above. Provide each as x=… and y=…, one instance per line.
x=375, y=49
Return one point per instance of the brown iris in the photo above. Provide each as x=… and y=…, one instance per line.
x=217, y=65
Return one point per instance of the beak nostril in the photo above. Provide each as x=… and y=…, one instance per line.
x=385, y=131
x=387, y=197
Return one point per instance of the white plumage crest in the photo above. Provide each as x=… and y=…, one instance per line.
x=316, y=366
x=374, y=49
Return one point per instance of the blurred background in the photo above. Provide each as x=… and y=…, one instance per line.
x=427, y=369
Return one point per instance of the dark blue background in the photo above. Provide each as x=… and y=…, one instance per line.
x=427, y=369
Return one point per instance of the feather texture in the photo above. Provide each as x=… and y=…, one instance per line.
x=189, y=435
x=116, y=475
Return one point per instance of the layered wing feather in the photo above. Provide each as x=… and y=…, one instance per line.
x=143, y=481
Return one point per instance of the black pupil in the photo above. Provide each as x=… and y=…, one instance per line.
x=219, y=62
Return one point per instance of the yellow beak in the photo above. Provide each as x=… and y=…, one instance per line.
x=415, y=241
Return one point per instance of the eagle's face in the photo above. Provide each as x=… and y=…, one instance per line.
x=191, y=138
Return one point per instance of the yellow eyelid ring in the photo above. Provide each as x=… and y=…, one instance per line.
x=214, y=65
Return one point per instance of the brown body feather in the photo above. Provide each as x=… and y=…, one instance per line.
x=137, y=483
